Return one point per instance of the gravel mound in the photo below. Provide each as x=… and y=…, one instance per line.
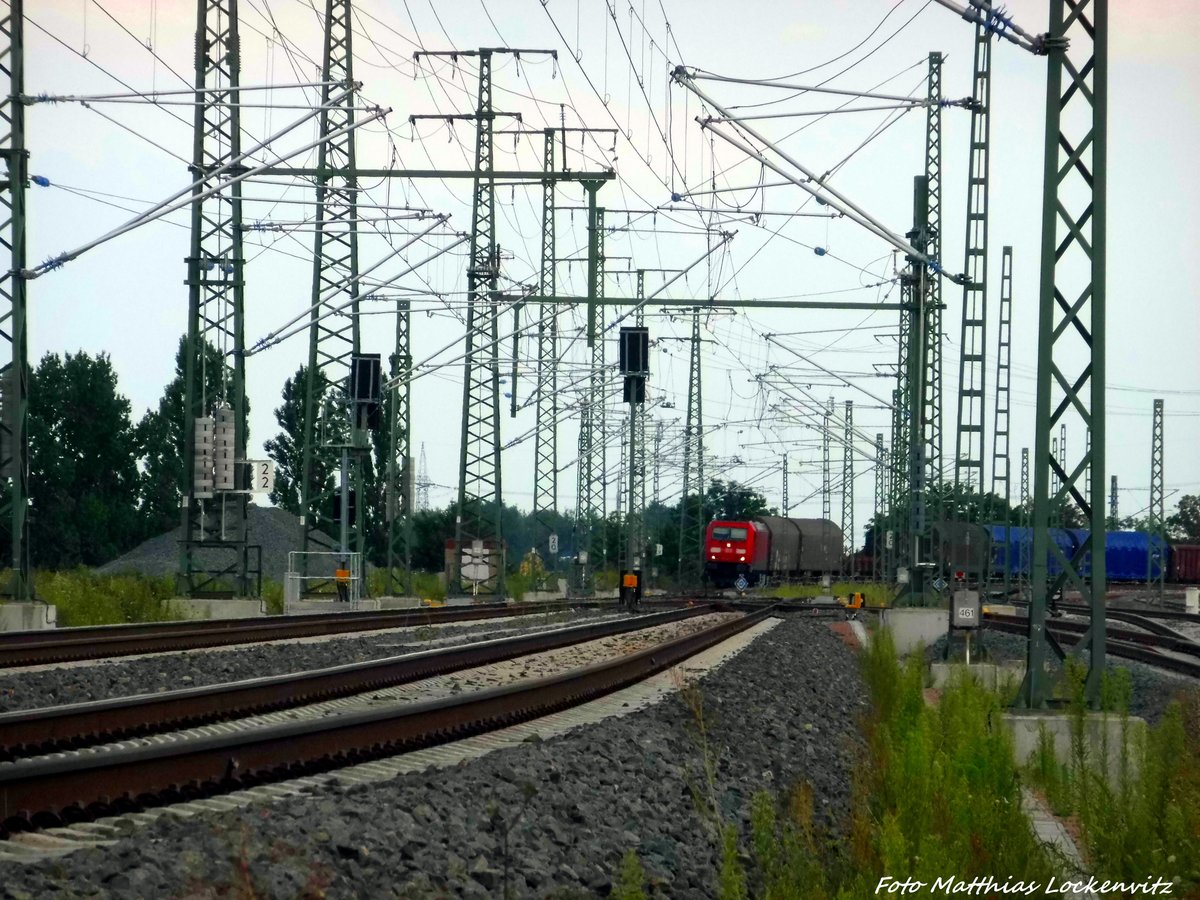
x=544, y=819
x=81, y=682
x=1153, y=689
x=276, y=530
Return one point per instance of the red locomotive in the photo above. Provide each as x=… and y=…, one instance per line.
x=770, y=548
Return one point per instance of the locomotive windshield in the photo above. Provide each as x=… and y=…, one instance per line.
x=725, y=533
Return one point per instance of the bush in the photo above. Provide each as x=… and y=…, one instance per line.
x=85, y=598
x=1143, y=821
x=873, y=594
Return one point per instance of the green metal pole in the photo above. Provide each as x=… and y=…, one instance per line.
x=14, y=452
x=399, y=474
x=1071, y=332
x=1155, y=561
x=545, y=447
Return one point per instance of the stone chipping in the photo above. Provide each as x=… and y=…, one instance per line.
x=55, y=685
x=547, y=818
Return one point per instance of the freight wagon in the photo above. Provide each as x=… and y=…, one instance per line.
x=770, y=548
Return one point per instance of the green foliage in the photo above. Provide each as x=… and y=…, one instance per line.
x=631, y=879
x=518, y=585
x=85, y=598
x=83, y=481
x=942, y=782
x=732, y=882
x=285, y=449
x=1142, y=821
x=1184, y=523
x=272, y=597
x=159, y=441
x=730, y=500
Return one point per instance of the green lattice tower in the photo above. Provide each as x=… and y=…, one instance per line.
x=848, y=487
x=637, y=502
x=333, y=337
x=399, y=487
x=826, y=478
x=1114, y=509
x=545, y=439
x=479, y=488
x=972, y=364
x=1000, y=460
x=933, y=174
x=897, y=479
x=213, y=519
x=589, y=532
x=1071, y=333
x=881, y=468
x=1155, y=559
x=14, y=368
x=1024, y=559
x=914, y=287
x=783, y=470
x=692, y=521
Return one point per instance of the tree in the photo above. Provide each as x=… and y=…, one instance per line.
x=730, y=500
x=159, y=443
x=82, y=476
x=286, y=449
x=1185, y=521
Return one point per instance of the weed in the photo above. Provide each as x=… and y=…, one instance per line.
x=84, y=597
x=631, y=880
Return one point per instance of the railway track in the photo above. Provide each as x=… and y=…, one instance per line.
x=61, y=788
x=1134, y=645
x=37, y=731
x=26, y=648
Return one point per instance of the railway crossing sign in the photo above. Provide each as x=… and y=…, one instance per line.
x=741, y=584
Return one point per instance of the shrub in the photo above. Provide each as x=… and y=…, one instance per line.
x=84, y=597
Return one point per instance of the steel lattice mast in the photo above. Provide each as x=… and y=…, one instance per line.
x=213, y=518
x=1114, y=509
x=333, y=338
x=848, y=485
x=1155, y=558
x=545, y=441
x=1023, y=561
x=972, y=364
x=933, y=173
x=399, y=475
x=590, y=530
x=14, y=438
x=1000, y=458
x=880, y=501
x=637, y=500
x=692, y=520
x=1071, y=332
x=783, y=468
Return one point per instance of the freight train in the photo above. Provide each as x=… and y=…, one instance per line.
x=972, y=549
x=767, y=548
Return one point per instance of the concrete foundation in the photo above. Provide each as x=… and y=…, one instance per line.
x=914, y=627
x=1103, y=736
x=218, y=609
x=301, y=607
x=27, y=616
x=987, y=674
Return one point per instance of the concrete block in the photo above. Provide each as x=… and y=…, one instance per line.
x=399, y=602
x=27, y=616
x=914, y=627
x=988, y=674
x=231, y=608
x=301, y=607
x=1103, y=736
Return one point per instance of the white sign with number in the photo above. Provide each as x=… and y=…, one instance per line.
x=554, y=543
x=262, y=476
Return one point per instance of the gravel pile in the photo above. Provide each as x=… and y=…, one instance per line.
x=276, y=530
x=544, y=819
x=81, y=682
x=1153, y=689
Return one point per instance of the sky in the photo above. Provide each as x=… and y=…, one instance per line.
x=127, y=297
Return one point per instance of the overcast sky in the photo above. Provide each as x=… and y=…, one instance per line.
x=128, y=298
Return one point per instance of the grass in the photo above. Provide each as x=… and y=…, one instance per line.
x=935, y=794
x=873, y=594
x=1142, y=821
x=86, y=598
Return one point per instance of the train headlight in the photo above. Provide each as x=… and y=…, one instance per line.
x=742, y=558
